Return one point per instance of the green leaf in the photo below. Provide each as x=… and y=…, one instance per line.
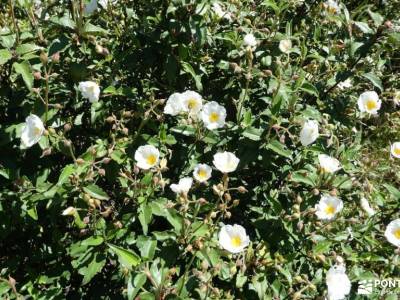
x=322, y=247
x=147, y=247
x=96, y=192
x=393, y=191
x=93, y=241
x=94, y=267
x=310, y=89
x=5, y=56
x=364, y=27
x=189, y=69
x=24, y=69
x=127, y=258
x=26, y=48
x=374, y=80
x=66, y=172
x=279, y=148
x=90, y=28
x=135, y=284
x=253, y=133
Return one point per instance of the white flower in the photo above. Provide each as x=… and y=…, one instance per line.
x=32, y=131
x=392, y=232
x=220, y=13
x=213, y=115
x=202, y=172
x=226, y=162
x=285, y=46
x=366, y=207
x=369, y=102
x=104, y=3
x=69, y=211
x=233, y=238
x=183, y=185
x=90, y=7
x=395, y=149
x=147, y=157
x=250, y=40
x=174, y=105
x=332, y=7
x=191, y=102
x=90, y=90
x=309, y=133
x=328, y=164
x=396, y=98
x=328, y=206
x=345, y=84
x=338, y=283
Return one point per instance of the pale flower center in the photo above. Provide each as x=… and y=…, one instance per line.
x=396, y=151
x=37, y=131
x=329, y=209
x=214, y=117
x=202, y=173
x=396, y=233
x=371, y=104
x=151, y=159
x=332, y=10
x=236, y=241
x=192, y=103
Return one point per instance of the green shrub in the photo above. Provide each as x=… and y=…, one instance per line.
x=198, y=149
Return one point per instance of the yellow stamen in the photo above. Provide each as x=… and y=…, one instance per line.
x=371, y=104
x=236, y=241
x=202, y=173
x=214, y=117
x=329, y=209
x=192, y=103
x=396, y=233
x=151, y=159
x=396, y=151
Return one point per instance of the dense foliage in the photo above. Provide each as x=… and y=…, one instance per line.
x=81, y=215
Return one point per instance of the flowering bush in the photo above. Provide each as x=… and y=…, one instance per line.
x=206, y=149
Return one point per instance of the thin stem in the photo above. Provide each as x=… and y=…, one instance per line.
x=16, y=29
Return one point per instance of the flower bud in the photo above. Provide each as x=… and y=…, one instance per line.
x=37, y=75
x=315, y=192
x=80, y=161
x=227, y=197
x=44, y=58
x=118, y=224
x=236, y=202
x=106, y=160
x=67, y=127
x=110, y=119
x=202, y=201
x=388, y=24
x=55, y=58
x=242, y=189
x=67, y=143
x=102, y=172
x=125, y=131
x=46, y=152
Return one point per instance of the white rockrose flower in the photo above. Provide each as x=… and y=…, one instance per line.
x=233, y=238
x=226, y=162
x=285, y=46
x=213, y=115
x=366, y=207
x=327, y=207
x=104, y=3
x=90, y=7
x=69, y=211
x=192, y=102
x=32, y=131
x=345, y=84
x=369, y=102
x=183, y=185
x=174, y=105
x=338, y=283
x=396, y=98
x=328, y=164
x=202, y=172
x=392, y=232
x=90, y=90
x=250, y=40
x=309, y=133
x=147, y=157
x=332, y=7
x=220, y=13
x=395, y=149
